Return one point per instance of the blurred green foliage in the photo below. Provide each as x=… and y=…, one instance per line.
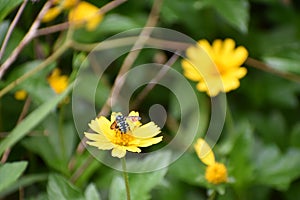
x=260, y=143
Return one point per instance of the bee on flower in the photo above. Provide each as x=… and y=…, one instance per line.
x=217, y=67
x=122, y=134
x=215, y=172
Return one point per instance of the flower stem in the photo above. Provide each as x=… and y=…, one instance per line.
x=212, y=195
x=125, y=174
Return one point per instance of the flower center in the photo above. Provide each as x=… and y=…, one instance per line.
x=216, y=173
x=122, y=139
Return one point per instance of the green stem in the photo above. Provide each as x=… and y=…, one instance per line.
x=125, y=174
x=212, y=196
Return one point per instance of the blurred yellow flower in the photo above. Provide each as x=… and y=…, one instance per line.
x=217, y=67
x=215, y=172
x=57, y=81
x=60, y=5
x=85, y=14
x=122, y=134
x=20, y=95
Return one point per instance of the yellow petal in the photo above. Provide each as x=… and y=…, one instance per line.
x=133, y=149
x=85, y=13
x=148, y=130
x=104, y=125
x=95, y=136
x=51, y=14
x=190, y=71
x=94, y=125
x=134, y=113
x=113, y=116
x=118, y=151
x=101, y=145
x=204, y=152
x=20, y=95
x=150, y=141
x=67, y=4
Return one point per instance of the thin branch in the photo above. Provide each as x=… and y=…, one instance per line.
x=21, y=117
x=133, y=54
x=129, y=60
x=262, y=66
x=41, y=66
x=65, y=25
x=154, y=81
x=27, y=38
x=11, y=27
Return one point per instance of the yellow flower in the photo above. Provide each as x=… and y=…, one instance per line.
x=57, y=81
x=61, y=5
x=85, y=14
x=20, y=95
x=217, y=67
x=110, y=136
x=215, y=172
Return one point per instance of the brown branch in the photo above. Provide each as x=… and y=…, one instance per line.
x=129, y=60
x=21, y=117
x=65, y=25
x=262, y=66
x=11, y=27
x=26, y=39
x=133, y=54
x=154, y=81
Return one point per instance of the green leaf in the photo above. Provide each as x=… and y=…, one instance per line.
x=10, y=172
x=285, y=59
x=24, y=181
x=91, y=193
x=272, y=168
x=239, y=161
x=60, y=188
x=117, y=189
x=31, y=121
x=193, y=173
x=295, y=136
x=37, y=86
x=6, y=6
x=141, y=184
x=236, y=12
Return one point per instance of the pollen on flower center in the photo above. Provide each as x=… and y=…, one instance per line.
x=122, y=139
x=216, y=173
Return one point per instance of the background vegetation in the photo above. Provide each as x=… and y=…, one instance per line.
x=260, y=143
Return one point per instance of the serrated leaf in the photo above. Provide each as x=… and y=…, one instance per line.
x=60, y=188
x=6, y=6
x=31, y=121
x=91, y=193
x=10, y=172
x=236, y=12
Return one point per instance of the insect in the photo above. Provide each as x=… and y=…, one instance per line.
x=121, y=123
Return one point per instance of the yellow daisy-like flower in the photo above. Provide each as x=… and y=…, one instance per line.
x=20, y=95
x=217, y=67
x=57, y=81
x=215, y=172
x=60, y=5
x=85, y=14
x=109, y=134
